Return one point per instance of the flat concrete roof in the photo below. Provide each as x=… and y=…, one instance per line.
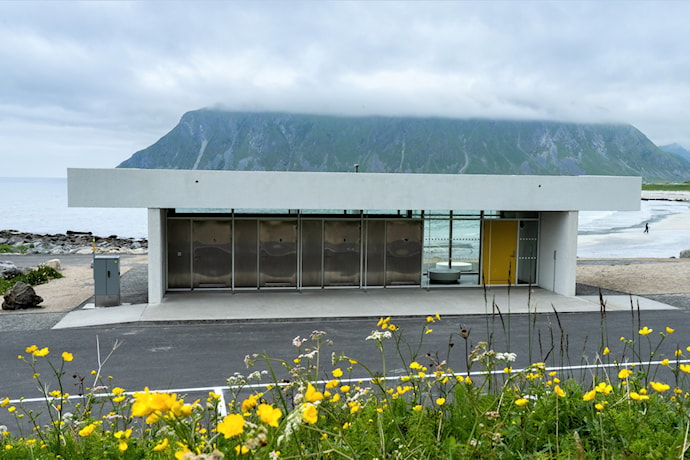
x=172, y=188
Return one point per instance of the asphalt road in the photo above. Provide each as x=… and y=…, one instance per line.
x=205, y=354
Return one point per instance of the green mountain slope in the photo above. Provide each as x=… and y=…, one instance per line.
x=215, y=139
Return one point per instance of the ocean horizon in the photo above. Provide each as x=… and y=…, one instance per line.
x=39, y=205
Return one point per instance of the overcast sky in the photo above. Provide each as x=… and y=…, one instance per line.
x=88, y=84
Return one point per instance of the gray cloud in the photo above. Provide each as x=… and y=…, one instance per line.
x=89, y=83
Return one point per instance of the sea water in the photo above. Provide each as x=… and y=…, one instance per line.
x=39, y=205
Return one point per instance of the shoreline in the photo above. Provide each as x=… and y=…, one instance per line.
x=72, y=242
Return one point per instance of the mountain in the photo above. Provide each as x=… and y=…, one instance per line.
x=216, y=139
x=677, y=149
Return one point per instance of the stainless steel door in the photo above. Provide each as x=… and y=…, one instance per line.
x=375, y=247
x=246, y=255
x=212, y=254
x=403, y=252
x=341, y=253
x=179, y=254
x=278, y=253
x=312, y=253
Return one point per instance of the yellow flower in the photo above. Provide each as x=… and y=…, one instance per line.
x=606, y=351
x=507, y=370
x=310, y=414
x=87, y=430
x=117, y=391
x=5, y=402
x=31, y=349
x=335, y=398
x=123, y=436
x=42, y=352
x=678, y=352
x=161, y=446
x=311, y=395
x=438, y=317
x=589, y=395
x=645, y=330
x=345, y=388
x=250, y=403
x=430, y=319
x=599, y=406
x=604, y=388
x=664, y=362
x=232, y=425
x=269, y=414
x=441, y=401
x=67, y=356
x=383, y=322
x=670, y=330
x=521, y=402
x=337, y=373
x=638, y=397
x=241, y=450
x=183, y=452
x=417, y=408
x=659, y=387
x=428, y=331
x=559, y=391
x=624, y=373
x=415, y=365
x=685, y=368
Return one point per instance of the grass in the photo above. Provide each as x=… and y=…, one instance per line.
x=684, y=187
x=40, y=275
x=13, y=249
x=316, y=405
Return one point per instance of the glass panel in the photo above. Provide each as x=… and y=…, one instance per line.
x=466, y=244
x=436, y=242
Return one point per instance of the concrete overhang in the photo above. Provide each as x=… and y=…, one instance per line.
x=173, y=188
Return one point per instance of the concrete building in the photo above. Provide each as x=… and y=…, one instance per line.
x=236, y=230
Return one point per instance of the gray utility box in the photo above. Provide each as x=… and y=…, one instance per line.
x=106, y=277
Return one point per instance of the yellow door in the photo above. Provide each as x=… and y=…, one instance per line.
x=499, y=250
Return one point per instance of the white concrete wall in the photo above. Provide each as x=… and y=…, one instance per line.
x=156, y=256
x=148, y=188
x=558, y=252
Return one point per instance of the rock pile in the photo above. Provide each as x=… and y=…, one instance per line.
x=72, y=243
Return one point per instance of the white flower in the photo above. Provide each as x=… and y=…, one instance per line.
x=509, y=357
x=379, y=335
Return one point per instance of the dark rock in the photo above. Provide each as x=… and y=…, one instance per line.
x=21, y=296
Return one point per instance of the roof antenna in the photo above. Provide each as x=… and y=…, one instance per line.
x=356, y=167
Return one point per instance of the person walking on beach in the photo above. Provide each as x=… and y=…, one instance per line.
x=646, y=227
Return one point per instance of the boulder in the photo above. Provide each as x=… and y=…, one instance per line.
x=685, y=254
x=21, y=296
x=52, y=263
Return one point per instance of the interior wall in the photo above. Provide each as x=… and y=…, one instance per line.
x=558, y=251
